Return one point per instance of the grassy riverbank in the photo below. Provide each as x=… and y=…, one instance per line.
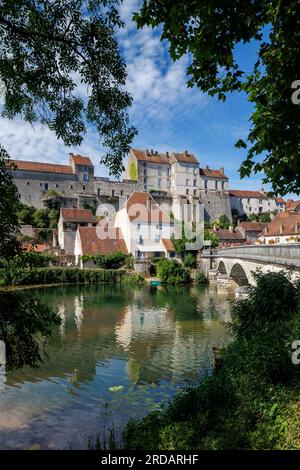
x=253, y=400
x=63, y=275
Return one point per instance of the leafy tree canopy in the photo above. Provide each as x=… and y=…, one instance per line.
x=47, y=49
x=209, y=31
x=9, y=226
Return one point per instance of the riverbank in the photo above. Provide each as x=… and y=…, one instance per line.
x=252, y=400
x=62, y=275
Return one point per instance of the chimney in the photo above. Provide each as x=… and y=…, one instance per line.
x=231, y=228
x=221, y=170
x=296, y=227
x=156, y=152
x=266, y=230
x=281, y=229
x=167, y=154
x=147, y=152
x=152, y=153
x=186, y=153
x=206, y=167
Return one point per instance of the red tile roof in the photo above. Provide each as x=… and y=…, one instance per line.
x=79, y=160
x=185, y=157
x=242, y=193
x=44, y=167
x=280, y=200
x=91, y=244
x=36, y=247
x=212, y=173
x=142, y=155
x=226, y=234
x=285, y=223
x=168, y=244
x=252, y=226
x=77, y=215
x=292, y=205
x=141, y=207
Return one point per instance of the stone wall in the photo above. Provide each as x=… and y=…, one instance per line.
x=216, y=203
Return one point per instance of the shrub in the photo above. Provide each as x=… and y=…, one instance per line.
x=201, y=278
x=190, y=261
x=133, y=279
x=112, y=261
x=59, y=275
x=172, y=272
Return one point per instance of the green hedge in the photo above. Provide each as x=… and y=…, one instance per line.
x=172, y=272
x=59, y=275
x=112, y=261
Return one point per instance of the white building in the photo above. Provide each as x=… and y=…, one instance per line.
x=145, y=227
x=284, y=228
x=254, y=202
x=178, y=176
x=69, y=221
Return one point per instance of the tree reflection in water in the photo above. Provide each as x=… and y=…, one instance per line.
x=25, y=323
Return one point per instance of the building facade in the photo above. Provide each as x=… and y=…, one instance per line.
x=254, y=202
x=174, y=179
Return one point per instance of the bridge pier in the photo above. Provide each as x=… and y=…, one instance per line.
x=225, y=283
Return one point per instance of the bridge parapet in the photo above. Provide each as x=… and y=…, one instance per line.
x=284, y=254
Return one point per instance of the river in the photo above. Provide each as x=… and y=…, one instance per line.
x=118, y=354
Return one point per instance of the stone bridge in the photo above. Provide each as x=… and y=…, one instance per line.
x=236, y=265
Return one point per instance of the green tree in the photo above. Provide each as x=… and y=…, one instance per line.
x=212, y=237
x=209, y=31
x=41, y=218
x=224, y=221
x=9, y=225
x=48, y=48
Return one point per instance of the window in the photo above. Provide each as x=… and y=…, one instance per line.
x=205, y=184
x=195, y=192
x=159, y=170
x=157, y=238
x=260, y=201
x=195, y=182
x=83, y=187
x=145, y=180
x=250, y=209
x=56, y=185
x=85, y=168
x=98, y=191
x=121, y=192
x=216, y=184
x=71, y=186
x=187, y=192
x=138, y=226
x=46, y=186
x=248, y=200
x=223, y=185
x=85, y=176
x=28, y=183
x=41, y=184
x=112, y=192
x=187, y=182
x=140, y=239
x=159, y=182
x=260, y=209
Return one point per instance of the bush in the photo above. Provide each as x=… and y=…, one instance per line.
x=201, y=278
x=133, y=279
x=252, y=400
x=190, y=261
x=59, y=275
x=172, y=272
x=112, y=261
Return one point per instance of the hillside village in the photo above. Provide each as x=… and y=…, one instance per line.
x=157, y=189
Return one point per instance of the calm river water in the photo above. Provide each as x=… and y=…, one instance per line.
x=118, y=354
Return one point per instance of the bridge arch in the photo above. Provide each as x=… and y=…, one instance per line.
x=240, y=275
x=222, y=268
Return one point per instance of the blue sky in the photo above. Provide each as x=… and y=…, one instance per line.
x=168, y=115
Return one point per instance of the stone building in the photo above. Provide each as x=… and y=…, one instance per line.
x=254, y=202
x=177, y=177
x=173, y=179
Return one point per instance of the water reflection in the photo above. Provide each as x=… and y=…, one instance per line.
x=117, y=354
